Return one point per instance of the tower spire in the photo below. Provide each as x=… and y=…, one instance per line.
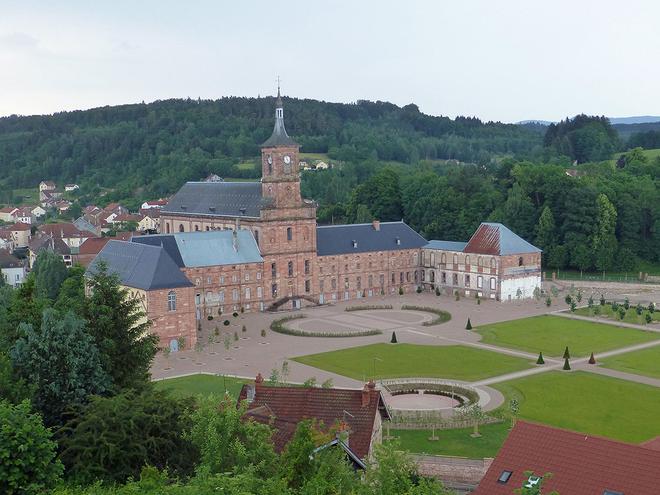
x=279, y=136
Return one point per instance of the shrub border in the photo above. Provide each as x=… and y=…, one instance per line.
x=368, y=307
x=443, y=316
x=279, y=327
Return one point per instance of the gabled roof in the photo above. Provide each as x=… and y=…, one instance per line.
x=46, y=241
x=497, y=239
x=8, y=209
x=140, y=266
x=232, y=199
x=215, y=247
x=579, y=463
x=19, y=226
x=290, y=405
x=93, y=245
x=63, y=230
x=364, y=237
x=446, y=245
x=8, y=260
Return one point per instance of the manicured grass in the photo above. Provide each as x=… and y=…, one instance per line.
x=455, y=442
x=606, y=312
x=314, y=156
x=409, y=360
x=645, y=362
x=551, y=334
x=247, y=165
x=201, y=384
x=588, y=403
x=28, y=196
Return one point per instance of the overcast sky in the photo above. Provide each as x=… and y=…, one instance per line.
x=494, y=59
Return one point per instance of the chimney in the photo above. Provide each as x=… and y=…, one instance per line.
x=376, y=225
x=234, y=240
x=258, y=380
x=366, y=395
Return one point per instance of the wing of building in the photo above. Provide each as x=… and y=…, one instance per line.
x=256, y=246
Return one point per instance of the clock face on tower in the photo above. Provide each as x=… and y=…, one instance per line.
x=287, y=159
x=270, y=159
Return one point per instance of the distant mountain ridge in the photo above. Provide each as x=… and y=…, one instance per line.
x=640, y=119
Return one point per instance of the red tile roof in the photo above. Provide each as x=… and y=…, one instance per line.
x=8, y=209
x=19, y=226
x=93, y=245
x=63, y=230
x=285, y=407
x=653, y=444
x=580, y=464
x=126, y=217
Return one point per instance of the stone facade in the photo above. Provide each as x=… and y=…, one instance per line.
x=171, y=322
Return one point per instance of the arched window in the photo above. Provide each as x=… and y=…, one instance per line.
x=520, y=261
x=289, y=233
x=167, y=228
x=196, y=228
x=467, y=259
x=443, y=258
x=256, y=236
x=432, y=276
x=181, y=227
x=171, y=301
x=290, y=268
x=492, y=262
x=455, y=259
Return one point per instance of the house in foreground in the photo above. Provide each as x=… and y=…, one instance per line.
x=358, y=414
x=12, y=269
x=580, y=464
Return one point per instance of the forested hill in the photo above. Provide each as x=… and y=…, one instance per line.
x=160, y=145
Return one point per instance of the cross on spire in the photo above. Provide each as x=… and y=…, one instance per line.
x=278, y=85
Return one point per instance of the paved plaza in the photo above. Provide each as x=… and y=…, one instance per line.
x=252, y=353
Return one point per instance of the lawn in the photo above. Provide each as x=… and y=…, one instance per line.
x=645, y=362
x=28, y=196
x=588, y=403
x=551, y=334
x=201, y=384
x=409, y=360
x=606, y=312
x=455, y=442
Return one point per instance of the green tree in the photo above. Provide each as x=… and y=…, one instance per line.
x=226, y=442
x=29, y=465
x=71, y=296
x=604, y=242
x=113, y=438
x=120, y=329
x=49, y=273
x=62, y=362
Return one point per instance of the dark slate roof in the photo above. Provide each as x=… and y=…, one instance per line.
x=279, y=137
x=341, y=239
x=212, y=248
x=232, y=199
x=579, y=463
x=140, y=266
x=497, y=239
x=446, y=245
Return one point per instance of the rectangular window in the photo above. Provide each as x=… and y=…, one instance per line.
x=221, y=296
x=359, y=283
x=258, y=275
x=273, y=270
x=371, y=280
x=382, y=280
x=234, y=278
x=234, y=294
x=321, y=285
x=333, y=283
x=222, y=280
x=306, y=267
x=198, y=299
x=247, y=276
x=273, y=290
x=493, y=283
x=455, y=279
x=443, y=278
x=171, y=301
x=290, y=268
x=248, y=293
x=308, y=286
x=480, y=282
x=401, y=277
x=260, y=292
x=346, y=283
x=467, y=281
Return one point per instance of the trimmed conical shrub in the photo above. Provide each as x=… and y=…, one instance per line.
x=393, y=339
x=592, y=359
x=469, y=325
x=567, y=365
x=540, y=360
x=567, y=355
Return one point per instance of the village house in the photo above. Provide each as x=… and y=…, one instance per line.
x=44, y=241
x=579, y=463
x=150, y=221
x=12, y=269
x=38, y=212
x=47, y=185
x=9, y=214
x=71, y=187
x=157, y=204
x=21, y=234
x=68, y=232
x=6, y=240
x=356, y=415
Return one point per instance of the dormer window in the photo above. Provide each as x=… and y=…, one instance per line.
x=354, y=243
x=504, y=477
x=398, y=241
x=279, y=113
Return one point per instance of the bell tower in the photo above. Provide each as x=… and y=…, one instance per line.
x=280, y=177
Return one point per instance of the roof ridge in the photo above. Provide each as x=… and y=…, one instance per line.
x=360, y=224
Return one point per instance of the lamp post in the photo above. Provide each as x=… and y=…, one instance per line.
x=374, y=364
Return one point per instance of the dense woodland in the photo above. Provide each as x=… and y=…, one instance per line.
x=442, y=176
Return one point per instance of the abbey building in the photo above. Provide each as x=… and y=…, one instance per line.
x=255, y=246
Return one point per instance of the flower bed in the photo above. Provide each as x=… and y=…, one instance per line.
x=280, y=327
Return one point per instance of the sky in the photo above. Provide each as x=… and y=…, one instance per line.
x=497, y=60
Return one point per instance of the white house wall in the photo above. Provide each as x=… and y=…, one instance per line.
x=509, y=287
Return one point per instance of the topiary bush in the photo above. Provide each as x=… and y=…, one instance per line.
x=540, y=360
x=567, y=365
x=567, y=354
x=393, y=339
x=592, y=359
x=235, y=314
x=548, y=301
x=468, y=326
x=226, y=323
x=209, y=317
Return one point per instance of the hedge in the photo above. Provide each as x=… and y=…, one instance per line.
x=442, y=316
x=280, y=327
